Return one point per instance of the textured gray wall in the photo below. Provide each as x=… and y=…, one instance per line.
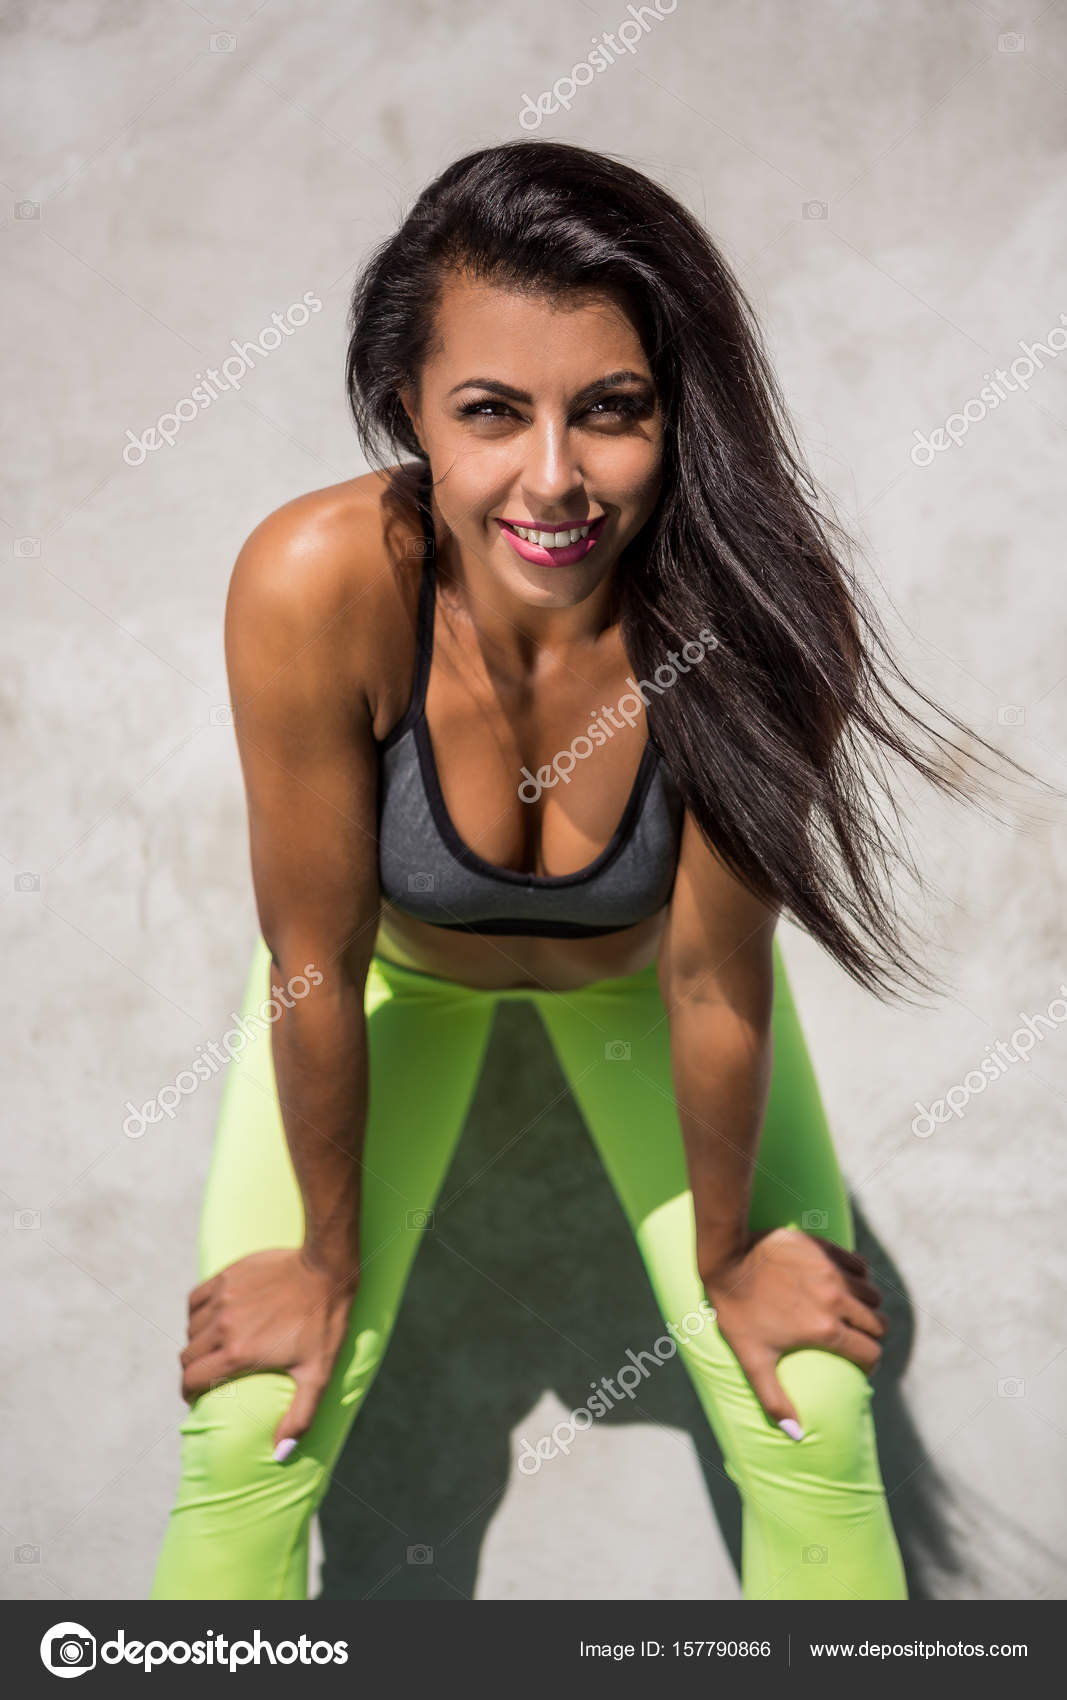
x=167, y=192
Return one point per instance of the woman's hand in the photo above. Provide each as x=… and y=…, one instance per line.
x=790, y=1289
x=271, y=1310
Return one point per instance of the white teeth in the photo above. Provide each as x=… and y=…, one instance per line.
x=552, y=539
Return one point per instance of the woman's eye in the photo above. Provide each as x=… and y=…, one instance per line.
x=619, y=409
x=613, y=408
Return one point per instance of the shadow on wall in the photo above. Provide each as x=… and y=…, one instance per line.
x=530, y=1279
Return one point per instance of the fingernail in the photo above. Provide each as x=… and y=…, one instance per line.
x=790, y=1424
x=283, y=1449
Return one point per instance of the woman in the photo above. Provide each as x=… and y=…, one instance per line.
x=565, y=706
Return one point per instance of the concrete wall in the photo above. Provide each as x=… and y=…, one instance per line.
x=888, y=180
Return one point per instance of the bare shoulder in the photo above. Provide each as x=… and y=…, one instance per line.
x=331, y=575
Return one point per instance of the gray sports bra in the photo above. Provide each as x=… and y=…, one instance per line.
x=428, y=872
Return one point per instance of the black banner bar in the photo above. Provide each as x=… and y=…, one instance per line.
x=334, y=1645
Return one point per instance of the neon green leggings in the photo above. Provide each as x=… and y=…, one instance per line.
x=815, y=1522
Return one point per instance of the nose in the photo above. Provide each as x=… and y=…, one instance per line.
x=552, y=474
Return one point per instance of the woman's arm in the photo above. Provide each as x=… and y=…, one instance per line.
x=716, y=976
x=297, y=661
x=772, y=1292
x=304, y=735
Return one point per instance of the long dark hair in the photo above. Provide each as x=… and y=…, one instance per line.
x=775, y=743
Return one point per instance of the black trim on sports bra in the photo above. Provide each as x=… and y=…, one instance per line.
x=471, y=859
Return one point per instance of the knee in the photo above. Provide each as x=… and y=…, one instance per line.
x=228, y=1434
x=832, y=1397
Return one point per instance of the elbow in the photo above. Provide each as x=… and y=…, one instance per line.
x=315, y=1001
x=320, y=956
x=722, y=1030
x=745, y=1010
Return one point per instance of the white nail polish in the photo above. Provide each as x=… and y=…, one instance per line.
x=792, y=1428
x=283, y=1449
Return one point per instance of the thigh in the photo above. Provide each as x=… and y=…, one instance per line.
x=612, y=1040
x=239, y=1525
x=798, y=1181
x=426, y=1042
x=613, y=1044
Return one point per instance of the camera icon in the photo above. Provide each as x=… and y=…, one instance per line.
x=816, y=1555
x=1011, y=42
x=221, y=714
x=27, y=882
x=27, y=1218
x=27, y=209
x=420, y=882
x=418, y=1219
x=1010, y=1387
x=1011, y=714
x=813, y=1220
x=420, y=1555
x=27, y=1555
x=223, y=43
x=815, y=209
x=27, y=546
x=617, y=1050
x=69, y=1647
x=419, y=546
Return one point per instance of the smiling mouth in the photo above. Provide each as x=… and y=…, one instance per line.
x=557, y=536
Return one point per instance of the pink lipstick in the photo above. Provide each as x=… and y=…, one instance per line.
x=544, y=555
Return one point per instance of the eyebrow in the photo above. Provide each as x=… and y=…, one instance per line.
x=612, y=381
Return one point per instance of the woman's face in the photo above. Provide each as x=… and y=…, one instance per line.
x=539, y=414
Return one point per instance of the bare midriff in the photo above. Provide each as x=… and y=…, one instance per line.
x=501, y=962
